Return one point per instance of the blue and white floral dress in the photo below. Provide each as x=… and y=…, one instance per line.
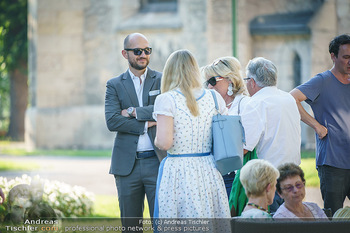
x=189, y=185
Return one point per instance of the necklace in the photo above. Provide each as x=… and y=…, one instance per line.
x=229, y=104
x=259, y=207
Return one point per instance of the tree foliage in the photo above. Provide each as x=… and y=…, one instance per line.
x=13, y=21
x=13, y=49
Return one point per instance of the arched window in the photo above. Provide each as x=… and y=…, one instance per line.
x=297, y=70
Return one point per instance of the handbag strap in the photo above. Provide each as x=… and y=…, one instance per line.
x=217, y=108
x=215, y=100
x=239, y=105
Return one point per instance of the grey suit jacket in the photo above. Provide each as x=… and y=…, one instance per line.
x=121, y=94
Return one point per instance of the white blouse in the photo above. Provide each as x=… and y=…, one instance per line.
x=165, y=105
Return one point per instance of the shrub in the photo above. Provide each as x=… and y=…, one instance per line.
x=67, y=200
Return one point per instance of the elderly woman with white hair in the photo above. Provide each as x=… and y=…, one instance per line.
x=259, y=178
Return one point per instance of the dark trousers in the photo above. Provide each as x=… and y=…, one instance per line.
x=335, y=186
x=132, y=189
x=228, y=179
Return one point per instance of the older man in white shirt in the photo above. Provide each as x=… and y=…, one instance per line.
x=271, y=119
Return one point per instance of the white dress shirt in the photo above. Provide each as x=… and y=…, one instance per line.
x=144, y=143
x=271, y=122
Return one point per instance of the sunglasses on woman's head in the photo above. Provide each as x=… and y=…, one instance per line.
x=138, y=51
x=218, y=61
x=212, y=81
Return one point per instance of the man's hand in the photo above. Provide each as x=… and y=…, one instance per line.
x=321, y=131
x=124, y=113
x=151, y=123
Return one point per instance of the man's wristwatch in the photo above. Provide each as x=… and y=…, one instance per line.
x=130, y=110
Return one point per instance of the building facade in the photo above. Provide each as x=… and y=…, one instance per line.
x=75, y=47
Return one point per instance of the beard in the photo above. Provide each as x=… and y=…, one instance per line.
x=136, y=66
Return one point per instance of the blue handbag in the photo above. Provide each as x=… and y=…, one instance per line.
x=228, y=139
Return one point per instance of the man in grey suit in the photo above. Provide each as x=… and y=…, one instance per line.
x=128, y=111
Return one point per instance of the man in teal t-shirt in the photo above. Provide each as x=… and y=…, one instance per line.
x=328, y=94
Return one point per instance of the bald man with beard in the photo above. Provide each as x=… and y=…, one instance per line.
x=128, y=112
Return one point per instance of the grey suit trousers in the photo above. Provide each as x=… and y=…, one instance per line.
x=132, y=189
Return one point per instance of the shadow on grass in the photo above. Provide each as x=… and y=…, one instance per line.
x=305, y=154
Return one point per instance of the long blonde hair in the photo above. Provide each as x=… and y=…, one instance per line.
x=226, y=67
x=182, y=71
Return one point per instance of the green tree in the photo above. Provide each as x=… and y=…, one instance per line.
x=13, y=65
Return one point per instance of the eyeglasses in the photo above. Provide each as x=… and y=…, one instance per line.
x=138, y=51
x=290, y=188
x=212, y=81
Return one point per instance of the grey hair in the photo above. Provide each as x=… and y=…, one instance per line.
x=263, y=71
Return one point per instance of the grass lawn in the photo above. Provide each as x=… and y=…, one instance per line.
x=11, y=148
x=311, y=176
x=108, y=206
x=308, y=164
x=12, y=166
x=305, y=154
x=74, y=153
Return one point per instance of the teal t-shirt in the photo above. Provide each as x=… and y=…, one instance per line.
x=330, y=102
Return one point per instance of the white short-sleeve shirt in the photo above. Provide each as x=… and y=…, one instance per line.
x=271, y=122
x=165, y=105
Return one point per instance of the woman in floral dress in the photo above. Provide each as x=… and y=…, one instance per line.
x=189, y=185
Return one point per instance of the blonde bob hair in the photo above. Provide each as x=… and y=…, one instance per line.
x=255, y=176
x=182, y=71
x=229, y=68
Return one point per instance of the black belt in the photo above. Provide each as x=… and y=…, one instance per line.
x=145, y=154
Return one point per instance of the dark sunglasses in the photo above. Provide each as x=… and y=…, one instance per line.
x=138, y=51
x=212, y=81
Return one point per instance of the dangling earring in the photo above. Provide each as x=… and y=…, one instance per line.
x=230, y=90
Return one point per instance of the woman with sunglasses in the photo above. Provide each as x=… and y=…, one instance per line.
x=291, y=187
x=224, y=76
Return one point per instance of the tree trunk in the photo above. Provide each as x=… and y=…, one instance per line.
x=18, y=101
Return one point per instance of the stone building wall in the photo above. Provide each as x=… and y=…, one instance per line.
x=71, y=59
x=328, y=21
x=219, y=29
x=75, y=47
